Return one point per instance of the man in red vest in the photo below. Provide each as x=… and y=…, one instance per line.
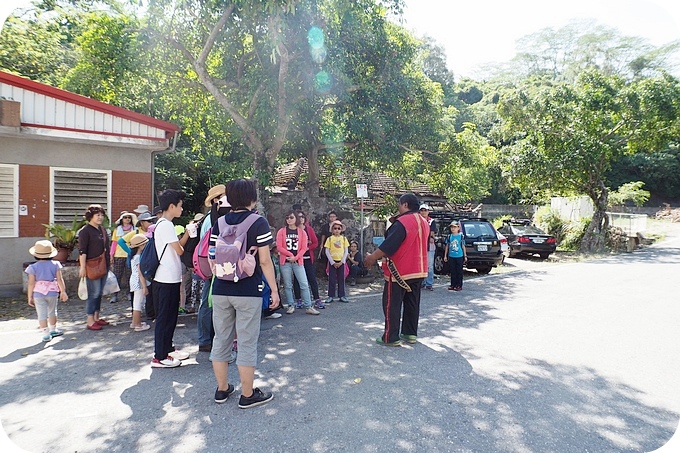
x=405, y=267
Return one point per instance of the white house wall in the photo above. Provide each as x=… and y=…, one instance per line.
x=39, y=109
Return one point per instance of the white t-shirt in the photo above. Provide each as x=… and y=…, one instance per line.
x=170, y=267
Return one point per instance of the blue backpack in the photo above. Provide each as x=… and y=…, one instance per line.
x=148, y=260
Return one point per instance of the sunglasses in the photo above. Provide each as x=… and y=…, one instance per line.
x=290, y=217
x=127, y=217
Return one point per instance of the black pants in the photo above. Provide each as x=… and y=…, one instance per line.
x=394, y=297
x=310, y=270
x=456, y=268
x=166, y=300
x=149, y=303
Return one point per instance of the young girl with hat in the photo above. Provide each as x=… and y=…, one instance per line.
x=45, y=284
x=124, y=225
x=337, y=249
x=138, y=284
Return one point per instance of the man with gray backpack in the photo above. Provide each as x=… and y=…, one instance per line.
x=240, y=259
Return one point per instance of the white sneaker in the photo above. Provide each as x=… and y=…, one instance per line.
x=273, y=316
x=168, y=362
x=312, y=311
x=179, y=355
x=290, y=310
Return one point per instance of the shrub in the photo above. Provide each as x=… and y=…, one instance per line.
x=573, y=234
x=498, y=221
x=550, y=221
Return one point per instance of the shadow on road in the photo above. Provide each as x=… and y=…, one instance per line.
x=335, y=390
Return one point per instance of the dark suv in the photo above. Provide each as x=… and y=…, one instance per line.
x=482, y=243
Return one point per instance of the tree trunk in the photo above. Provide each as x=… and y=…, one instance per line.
x=594, y=237
x=312, y=185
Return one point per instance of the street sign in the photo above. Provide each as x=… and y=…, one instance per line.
x=362, y=191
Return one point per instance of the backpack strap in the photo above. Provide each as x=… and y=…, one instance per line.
x=243, y=226
x=154, y=242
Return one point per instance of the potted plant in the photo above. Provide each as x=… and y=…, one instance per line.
x=64, y=238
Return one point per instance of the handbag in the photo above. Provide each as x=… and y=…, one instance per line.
x=95, y=268
x=111, y=285
x=82, y=289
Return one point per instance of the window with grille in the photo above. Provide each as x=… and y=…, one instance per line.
x=74, y=190
x=9, y=201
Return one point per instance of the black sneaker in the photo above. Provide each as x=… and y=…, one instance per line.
x=222, y=395
x=256, y=399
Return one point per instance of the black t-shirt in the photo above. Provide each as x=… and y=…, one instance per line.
x=92, y=241
x=292, y=241
x=394, y=237
x=259, y=235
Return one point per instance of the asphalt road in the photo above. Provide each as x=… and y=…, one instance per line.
x=566, y=358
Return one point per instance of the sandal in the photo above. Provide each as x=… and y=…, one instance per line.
x=94, y=326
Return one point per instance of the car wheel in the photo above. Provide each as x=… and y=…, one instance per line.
x=438, y=264
x=483, y=270
x=544, y=256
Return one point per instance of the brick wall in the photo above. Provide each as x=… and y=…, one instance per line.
x=34, y=192
x=130, y=189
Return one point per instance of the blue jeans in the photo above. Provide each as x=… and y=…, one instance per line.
x=206, y=332
x=429, y=281
x=94, y=295
x=287, y=271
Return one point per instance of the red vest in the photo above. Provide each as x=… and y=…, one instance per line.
x=410, y=258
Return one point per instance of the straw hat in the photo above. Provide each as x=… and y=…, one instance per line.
x=141, y=209
x=124, y=214
x=337, y=222
x=43, y=249
x=215, y=192
x=137, y=240
x=198, y=217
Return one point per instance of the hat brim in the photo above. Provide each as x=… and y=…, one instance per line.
x=52, y=254
x=134, y=246
x=150, y=219
x=120, y=219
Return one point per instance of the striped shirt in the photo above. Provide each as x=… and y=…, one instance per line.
x=259, y=235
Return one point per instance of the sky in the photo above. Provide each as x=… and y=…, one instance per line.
x=475, y=33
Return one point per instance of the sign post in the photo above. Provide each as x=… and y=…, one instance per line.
x=362, y=192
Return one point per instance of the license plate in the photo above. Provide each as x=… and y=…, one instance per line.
x=482, y=248
x=538, y=241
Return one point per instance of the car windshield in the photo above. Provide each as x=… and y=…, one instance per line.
x=527, y=229
x=477, y=230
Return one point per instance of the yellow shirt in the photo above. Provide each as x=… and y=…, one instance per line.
x=337, y=246
x=120, y=253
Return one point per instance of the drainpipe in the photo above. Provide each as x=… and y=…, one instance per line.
x=169, y=149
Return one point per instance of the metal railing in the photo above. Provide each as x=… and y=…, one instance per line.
x=630, y=223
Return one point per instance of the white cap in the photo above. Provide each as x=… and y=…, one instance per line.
x=424, y=206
